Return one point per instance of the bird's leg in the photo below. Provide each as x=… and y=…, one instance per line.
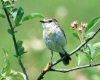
x=51, y=56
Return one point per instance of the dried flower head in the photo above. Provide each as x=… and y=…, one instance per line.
x=74, y=24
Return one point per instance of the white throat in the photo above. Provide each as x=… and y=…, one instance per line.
x=49, y=26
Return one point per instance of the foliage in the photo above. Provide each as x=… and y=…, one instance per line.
x=7, y=73
x=15, y=14
x=17, y=17
x=82, y=33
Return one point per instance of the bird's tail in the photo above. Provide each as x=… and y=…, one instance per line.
x=66, y=59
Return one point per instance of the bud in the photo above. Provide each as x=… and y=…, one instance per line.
x=12, y=1
x=13, y=6
x=80, y=29
x=83, y=25
x=74, y=24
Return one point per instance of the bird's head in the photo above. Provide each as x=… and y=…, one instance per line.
x=49, y=22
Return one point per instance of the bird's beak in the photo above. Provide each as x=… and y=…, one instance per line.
x=42, y=21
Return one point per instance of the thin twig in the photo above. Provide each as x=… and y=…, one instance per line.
x=44, y=71
x=91, y=37
x=77, y=49
x=14, y=40
x=41, y=75
x=75, y=68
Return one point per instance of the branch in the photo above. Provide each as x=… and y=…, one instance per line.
x=75, y=68
x=14, y=39
x=44, y=71
x=77, y=49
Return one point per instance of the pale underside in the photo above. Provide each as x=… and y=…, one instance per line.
x=55, y=39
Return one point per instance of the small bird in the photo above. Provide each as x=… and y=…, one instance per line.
x=54, y=38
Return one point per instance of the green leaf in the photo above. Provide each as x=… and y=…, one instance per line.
x=79, y=59
x=89, y=53
x=31, y=16
x=5, y=54
x=89, y=56
x=10, y=31
x=19, y=44
x=15, y=31
x=14, y=10
x=97, y=55
x=18, y=25
x=92, y=24
x=89, y=34
x=0, y=10
x=8, y=5
x=91, y=49
x=21, y=76
x=6, y=67
x=19, y=16
x=76, y=35
x=96, y=45
x=1, y=15
x=1, y=77
x=18, y=75
x=21, y=51
x=20, y=48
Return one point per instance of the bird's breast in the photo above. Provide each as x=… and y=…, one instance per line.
x=54, y=39
x=49, y=32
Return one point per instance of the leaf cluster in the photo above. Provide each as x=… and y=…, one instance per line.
x=90, y=50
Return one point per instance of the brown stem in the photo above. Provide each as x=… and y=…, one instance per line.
x=14, y=40
x=74, y=51
x=75, y=68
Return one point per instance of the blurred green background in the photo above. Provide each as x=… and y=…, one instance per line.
x=65, y=11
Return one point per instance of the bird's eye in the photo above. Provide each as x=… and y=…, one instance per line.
x=50, y=21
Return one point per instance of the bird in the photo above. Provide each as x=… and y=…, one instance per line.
x=54, y=38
